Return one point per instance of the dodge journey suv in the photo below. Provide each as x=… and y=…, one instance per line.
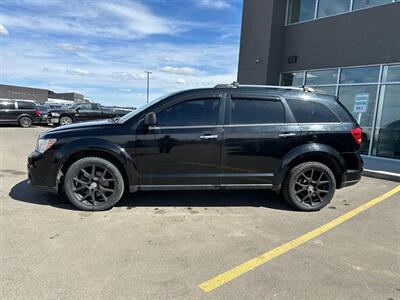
x=294, y=141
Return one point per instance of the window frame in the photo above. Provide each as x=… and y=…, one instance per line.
x=288, y=117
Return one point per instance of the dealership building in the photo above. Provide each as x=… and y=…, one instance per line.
x=35, y=94
x=347, y=48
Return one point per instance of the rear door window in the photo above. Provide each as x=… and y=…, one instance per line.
x=306, y=111
x=256, y=111
x=25, y=105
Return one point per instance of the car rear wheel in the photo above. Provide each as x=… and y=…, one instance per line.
x=25, y=122
x=93, y=184
x=309, y=186
x=66, y=120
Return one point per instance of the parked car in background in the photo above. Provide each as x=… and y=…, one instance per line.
x=290, y=140
x=24, y=113
x=81, y=112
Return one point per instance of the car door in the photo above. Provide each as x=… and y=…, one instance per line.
x=184, y=148
x=84, y=112
x=256, y=137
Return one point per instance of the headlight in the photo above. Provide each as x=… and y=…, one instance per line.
x=55, y=114
x=44, y=144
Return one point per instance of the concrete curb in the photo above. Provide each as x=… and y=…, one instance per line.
x=382, y=175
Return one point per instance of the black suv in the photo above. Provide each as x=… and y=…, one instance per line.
x=291, y=140
x=24, y=113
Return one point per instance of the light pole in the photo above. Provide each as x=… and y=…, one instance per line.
x=148, y=84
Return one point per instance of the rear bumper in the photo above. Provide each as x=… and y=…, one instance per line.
x=351, y=177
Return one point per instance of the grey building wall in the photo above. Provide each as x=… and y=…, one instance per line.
x=368, y=36
x=19, y=92
x=67, y=96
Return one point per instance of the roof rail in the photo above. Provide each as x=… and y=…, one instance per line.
x=237, y=85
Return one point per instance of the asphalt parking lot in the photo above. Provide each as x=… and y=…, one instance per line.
x=163, y=245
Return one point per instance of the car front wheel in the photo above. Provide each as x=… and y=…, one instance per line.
x=309, y=186
x=93, y=184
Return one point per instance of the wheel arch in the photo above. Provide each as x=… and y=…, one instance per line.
x=312, y=152
x=98, y=148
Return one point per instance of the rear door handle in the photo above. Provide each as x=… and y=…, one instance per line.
x=209, y=137
x=288, y=134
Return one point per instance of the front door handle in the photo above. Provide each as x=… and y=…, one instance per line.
x=288, y=134
x=209, y=137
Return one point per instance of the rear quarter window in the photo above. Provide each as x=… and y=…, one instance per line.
x=306, y=111
x=6, y=105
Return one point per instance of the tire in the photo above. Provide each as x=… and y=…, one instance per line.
x=66, y=121
x=25, y=122
x=93, y=189
x=309, y=186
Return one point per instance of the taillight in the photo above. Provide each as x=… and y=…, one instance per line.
x=357, y=135
x=37, y=113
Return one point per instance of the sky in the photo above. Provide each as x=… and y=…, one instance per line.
x=102, y=48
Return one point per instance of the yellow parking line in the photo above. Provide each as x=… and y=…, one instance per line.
x=249, y=265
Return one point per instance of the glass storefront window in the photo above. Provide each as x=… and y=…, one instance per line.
x=322, y=77
x=360, y=75
x=300, y=10
x=358, y=4
x=292, y=79
x=387, y=129
x=329, y=90
x=332, y=7
x=348, y=95
x=391, y=73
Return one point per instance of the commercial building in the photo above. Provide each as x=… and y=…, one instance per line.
x=39, y=95
x=347, y=48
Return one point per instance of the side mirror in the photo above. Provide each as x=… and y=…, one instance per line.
x=77, y=109
x=150, y=119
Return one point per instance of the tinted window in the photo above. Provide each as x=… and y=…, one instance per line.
x=322, y=77
x=368, y=3
x=6, y=105
x=25, y=105
x=359, y=75
x=301, y=10
x=85, y=106
x=190, y=113
x=332, y=7
x=311, y=112
x=256, y=111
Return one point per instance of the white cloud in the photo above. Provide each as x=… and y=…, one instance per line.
x=177, y=70
x=126, y=19
x=3, y=30
x=70, y=47
x=218, y=4
x=181, y=81
x=78, y=71
x=127, y=75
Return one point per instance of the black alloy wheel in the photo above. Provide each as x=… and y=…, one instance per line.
x=94, y=183
x=310, y=186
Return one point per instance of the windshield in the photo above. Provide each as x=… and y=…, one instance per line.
x=139, y=110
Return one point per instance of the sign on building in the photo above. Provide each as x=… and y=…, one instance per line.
x=361, y=103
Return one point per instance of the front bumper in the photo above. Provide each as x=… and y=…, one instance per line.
x=42, y=172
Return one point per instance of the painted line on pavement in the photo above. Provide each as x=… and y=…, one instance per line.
x=249, y=265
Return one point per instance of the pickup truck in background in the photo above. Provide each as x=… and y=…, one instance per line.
x=81, y=112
